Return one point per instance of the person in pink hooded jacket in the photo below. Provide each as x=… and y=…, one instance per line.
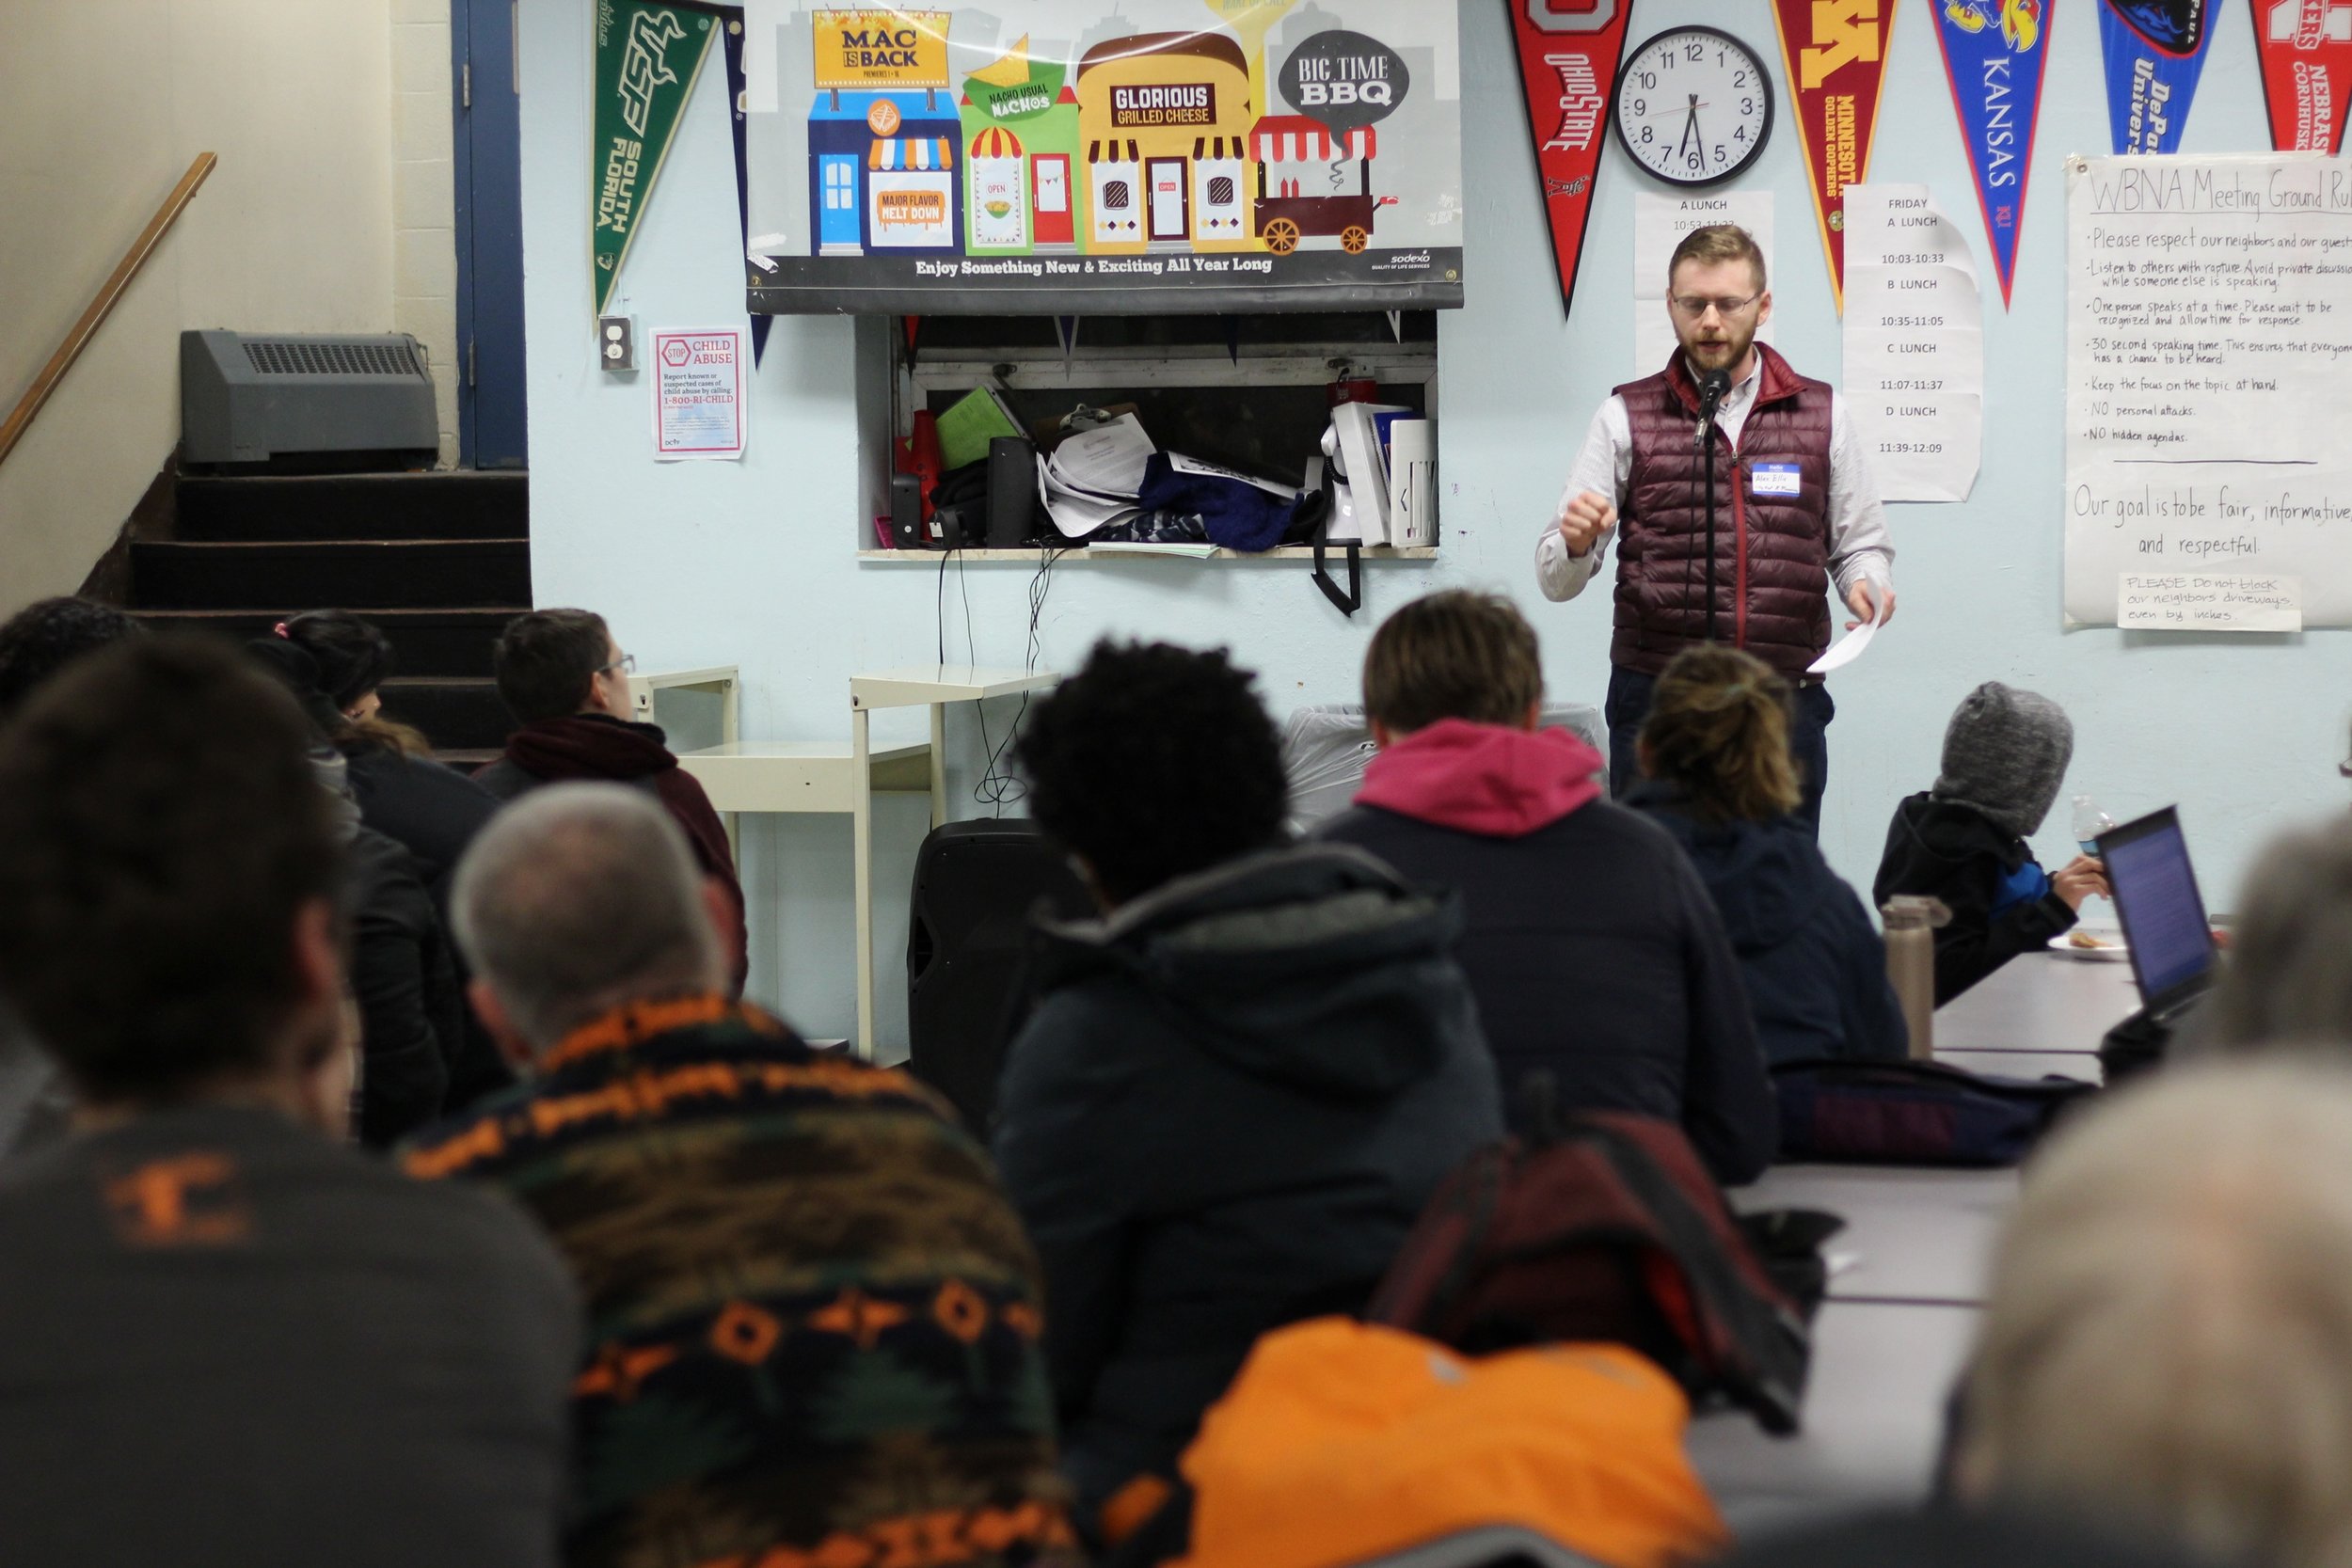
x=1594, y=950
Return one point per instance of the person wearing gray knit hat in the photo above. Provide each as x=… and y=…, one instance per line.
x=1963, y=841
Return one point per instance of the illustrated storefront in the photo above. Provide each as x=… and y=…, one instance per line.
x=1021, y=141
x=1164, y=118
x=883, y=172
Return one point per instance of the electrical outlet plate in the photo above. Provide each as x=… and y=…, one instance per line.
x=616, y=343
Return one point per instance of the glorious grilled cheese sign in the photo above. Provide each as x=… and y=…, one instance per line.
x=1177, y=104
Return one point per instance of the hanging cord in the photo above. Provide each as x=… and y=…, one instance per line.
x=999, y=785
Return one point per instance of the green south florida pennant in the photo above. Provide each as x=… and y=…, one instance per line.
x=647, y=57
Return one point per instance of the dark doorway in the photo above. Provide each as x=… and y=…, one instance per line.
x=488, y=147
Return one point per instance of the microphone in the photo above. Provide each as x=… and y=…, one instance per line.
x=1712, y=386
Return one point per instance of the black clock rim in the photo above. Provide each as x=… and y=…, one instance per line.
x=1764, y=75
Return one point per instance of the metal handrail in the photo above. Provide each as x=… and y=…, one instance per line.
x=109, y=293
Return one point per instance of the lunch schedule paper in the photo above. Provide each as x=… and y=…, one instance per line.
x=2209, y=339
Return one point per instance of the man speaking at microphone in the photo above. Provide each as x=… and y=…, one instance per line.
x=1794, y=507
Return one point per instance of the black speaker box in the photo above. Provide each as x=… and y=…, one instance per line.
x=975, y=886
x=1012, y=503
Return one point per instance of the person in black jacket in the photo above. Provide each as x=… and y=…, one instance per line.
x=431, y=811
x=1593, y=949
x=1963, y=841
x=1240, y=1084
x=1718, y=775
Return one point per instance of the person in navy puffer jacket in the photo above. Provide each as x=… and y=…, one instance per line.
x=1718, y=775
x=1590, y=943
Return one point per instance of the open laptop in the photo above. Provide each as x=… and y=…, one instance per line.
x=2163, y=914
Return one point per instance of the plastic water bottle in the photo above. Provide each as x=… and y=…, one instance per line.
x=2089, y=822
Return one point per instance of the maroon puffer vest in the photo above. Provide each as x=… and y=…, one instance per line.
x=1772, y=552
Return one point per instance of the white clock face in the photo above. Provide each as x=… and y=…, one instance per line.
x=1694, y=105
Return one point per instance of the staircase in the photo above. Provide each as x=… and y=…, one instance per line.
x=440, y=561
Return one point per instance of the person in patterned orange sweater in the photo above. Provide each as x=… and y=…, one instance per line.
x=814, y=1319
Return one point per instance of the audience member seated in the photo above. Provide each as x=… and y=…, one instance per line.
x=432, y=810
x=2288, y=981
x=567, y=682
x=815, y=1318
x=429, y=810
x=1591, y=945
x=1717, y=775
x=402, y=969
x=2162, y=1347
x=229, y=1340
x=1241, y=1084
x=1963, y=841
x=46, y=635
x=36, y=641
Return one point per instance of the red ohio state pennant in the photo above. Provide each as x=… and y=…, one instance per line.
x=2306, y=49
x=1568, y=62
x=1834, y=52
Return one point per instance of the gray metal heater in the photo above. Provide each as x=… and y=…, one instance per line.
x=321, y=399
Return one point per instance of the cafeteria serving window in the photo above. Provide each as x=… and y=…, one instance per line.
x=1249, y=393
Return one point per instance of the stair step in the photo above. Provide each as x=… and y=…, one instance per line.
x=354, y=574
x=425, y=643
x=464, y=714
x=280, y=509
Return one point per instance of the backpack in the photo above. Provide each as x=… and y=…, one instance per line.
x=1914, y=1113
x=1604, y=1226
x=1340, y=1443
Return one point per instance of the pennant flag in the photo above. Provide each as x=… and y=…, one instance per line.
x=1568, y=60
x=2156, y=50
x=738, y=89
x=2306, y=51
x=647, y=58
x=1993, y=52
x=1834, y=53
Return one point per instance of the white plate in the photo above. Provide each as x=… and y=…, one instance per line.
x=2111, y=948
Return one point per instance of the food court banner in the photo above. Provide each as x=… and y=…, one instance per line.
x=1834, y=52
x=1096, y=156
x=2306, y=51
x=1993, y=52
x=2156, y=50
x=647, y=58
x=1568, y=60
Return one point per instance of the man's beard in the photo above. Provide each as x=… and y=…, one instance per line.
x=1724, y=354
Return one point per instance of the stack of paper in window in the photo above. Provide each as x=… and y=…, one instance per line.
x=1090, y=478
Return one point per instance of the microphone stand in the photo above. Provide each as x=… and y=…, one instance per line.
x=1711, y=394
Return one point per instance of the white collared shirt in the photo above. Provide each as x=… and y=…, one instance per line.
x=1859, y=548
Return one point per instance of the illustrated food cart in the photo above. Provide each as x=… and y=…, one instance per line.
x=1299, y=157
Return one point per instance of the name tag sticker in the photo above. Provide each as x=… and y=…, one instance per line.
x=1774, y=479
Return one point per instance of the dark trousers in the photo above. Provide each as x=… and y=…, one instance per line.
x=1629, y=693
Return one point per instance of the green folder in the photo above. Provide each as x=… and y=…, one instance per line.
x=965, y=430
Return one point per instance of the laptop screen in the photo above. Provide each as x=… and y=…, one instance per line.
x=2156, y=898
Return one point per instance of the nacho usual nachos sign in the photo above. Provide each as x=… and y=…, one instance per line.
x=1086, y=156
x=698, y=393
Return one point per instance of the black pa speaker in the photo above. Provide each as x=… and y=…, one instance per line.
x=975, y=884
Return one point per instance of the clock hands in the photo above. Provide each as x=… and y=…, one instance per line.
x=1690, y=126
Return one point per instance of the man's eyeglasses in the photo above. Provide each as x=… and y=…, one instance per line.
x=1696, y=306
x=626, y=664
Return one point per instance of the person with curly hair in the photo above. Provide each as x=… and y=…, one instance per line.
x=49, y=634
x=1717, y=774
x=1240, y=1083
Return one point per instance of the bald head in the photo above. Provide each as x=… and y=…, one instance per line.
x=2169, y=1339
x=576, y=899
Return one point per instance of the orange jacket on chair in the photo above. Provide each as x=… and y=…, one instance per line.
x=1341, y=1442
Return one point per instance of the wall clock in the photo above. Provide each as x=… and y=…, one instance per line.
x=1694, y=105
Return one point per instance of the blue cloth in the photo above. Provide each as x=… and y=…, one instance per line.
x=1238, y=515
x=2024, y=885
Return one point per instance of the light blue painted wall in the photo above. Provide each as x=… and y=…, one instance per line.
x=752, y=562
